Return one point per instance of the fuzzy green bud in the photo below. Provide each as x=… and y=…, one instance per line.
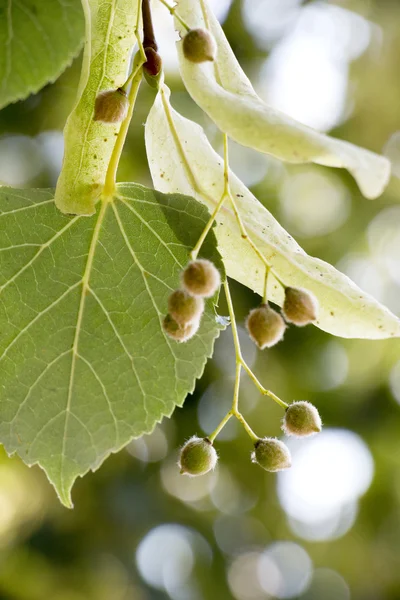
x=271, y=454
x=300, y=307
x=301, y=419
x=265, y=326
x=111, y=106
x=199, y=46
x=197, y=457
x=184, y=308
x=179, y=333
x=201, y=278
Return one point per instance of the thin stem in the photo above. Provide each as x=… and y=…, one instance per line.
x=172, y=10
x=246, y=426
x=235, y=333
x=225, y=194
x=149, y=40
x=137, y=30
x=261, y=388
x=220, y=426
x=111, y=175
x=194, y=253
x=235, y=402
x=265, y=296
x=238, y=352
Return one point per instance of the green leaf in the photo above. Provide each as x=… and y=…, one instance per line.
x=89, y=144
x=84, y=363
x=223, y=91
x=181, y=158
x=38, y=40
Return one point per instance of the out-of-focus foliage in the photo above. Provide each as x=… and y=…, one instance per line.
x=38, y=41
x=330, y=527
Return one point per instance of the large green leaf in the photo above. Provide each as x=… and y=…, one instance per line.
x=38, y=40
x=110, y=37
x=223, y=91
x=84, y=363
x=181, y=158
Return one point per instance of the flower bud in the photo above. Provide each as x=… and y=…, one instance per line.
x=201, y=278
x=265, y=326
x=300, y=307
x=197, y=457
x=111, y=106
x=271, y=454
x=152, y=67
x=301, y=419
x=184, y=308
x=199, y=46
x=179, y=333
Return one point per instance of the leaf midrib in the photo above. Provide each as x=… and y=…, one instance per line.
x=84, y=292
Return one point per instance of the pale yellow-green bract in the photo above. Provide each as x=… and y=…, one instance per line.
x=224, y=92
x=181, y=159
x=110, y=37
x=38, y=40
x=85, y=365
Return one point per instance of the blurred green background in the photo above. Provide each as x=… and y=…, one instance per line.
x=329, y=528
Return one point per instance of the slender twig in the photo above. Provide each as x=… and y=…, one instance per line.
x=149, y=40
x=110, y=180
x=238, y=352
x=172, y=10
x=137, y=31
x=225, y=195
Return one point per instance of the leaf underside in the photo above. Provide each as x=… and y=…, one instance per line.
x=84, y=363
x=224, y=92
x=181, y=158
x=38, y=40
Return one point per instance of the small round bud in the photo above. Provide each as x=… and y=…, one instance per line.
x=184, y=308
x=111, y=106
x=179, y=333
x=301, y=419
x=300, y=307
x=271, y=454
x=153, y=65
x=201, y=278
x=199, y=46
x=265, y=326
x=197, y=457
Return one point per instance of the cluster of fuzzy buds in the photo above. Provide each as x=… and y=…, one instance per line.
x=266, y=326
x=111, y=106
x=197, y=457
x=200, y=279
x=301, y=420
x=199, y=46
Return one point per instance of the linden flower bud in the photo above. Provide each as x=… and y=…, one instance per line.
x=265, y=326
x=111, y=106
x=184, y=308
x=201, y=278
x=179, y=333
x=300, y=307
x=271, y=454
x=301, y=419
x=199, y=46
x=153, y=65
x=197, y=457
